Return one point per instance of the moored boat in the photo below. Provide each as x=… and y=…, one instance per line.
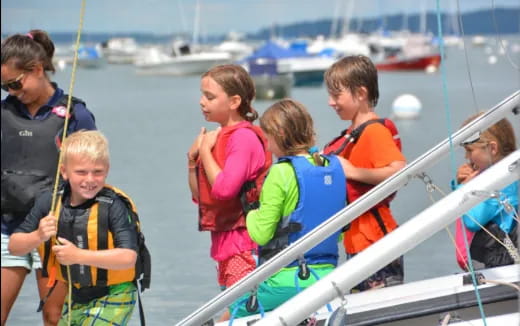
x=420, y=62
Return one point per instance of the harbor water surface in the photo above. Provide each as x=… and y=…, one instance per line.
x=151, y=121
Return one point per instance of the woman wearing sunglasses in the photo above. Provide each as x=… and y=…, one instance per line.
x=33, y=117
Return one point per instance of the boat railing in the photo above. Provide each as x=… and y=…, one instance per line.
x=506, y=108
x=401, y=240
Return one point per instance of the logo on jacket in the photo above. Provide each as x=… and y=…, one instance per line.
x=25, y=133
x=327, y=179
x=60, y=111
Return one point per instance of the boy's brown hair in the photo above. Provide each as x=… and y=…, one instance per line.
x=351, y=73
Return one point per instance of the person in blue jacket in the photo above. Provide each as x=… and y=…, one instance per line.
x=33, y=121
x=496, y=215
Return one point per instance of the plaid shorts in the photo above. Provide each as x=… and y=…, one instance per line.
x=115, y=308
x=235, y=268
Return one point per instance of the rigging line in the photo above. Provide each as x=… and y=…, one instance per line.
x=512, y=254
x=452, y=156
x=470, y=79
x=64, y=135
x=513, y=285
x=499, y=40
x=431, y=187
x=445, y=88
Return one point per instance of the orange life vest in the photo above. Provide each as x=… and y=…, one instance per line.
x=84, y=275
x=226, y=215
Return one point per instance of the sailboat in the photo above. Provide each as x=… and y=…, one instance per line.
x=425, y=302
x=182, y=59
x=405, y=50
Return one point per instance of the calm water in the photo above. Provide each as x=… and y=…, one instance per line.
x=151, y=122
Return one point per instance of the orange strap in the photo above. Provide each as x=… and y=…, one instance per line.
x=52, y=277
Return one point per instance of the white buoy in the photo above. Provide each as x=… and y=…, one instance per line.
x=406, y=106
x=492, y=59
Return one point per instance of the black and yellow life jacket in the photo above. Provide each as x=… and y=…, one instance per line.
x=89, y=229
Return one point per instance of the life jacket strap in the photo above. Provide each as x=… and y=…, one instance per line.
x=247, y=205
x=375, y=212
x=44, y=299
x=104, y=204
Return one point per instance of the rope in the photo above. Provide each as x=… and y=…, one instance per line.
x=499, y=40
x=60, y=156
x=461, y=27
x=431, y=187
x=297, y=282
x=452, y=156
x=513, y=285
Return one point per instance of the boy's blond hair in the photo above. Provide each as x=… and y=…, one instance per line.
x=89, y=144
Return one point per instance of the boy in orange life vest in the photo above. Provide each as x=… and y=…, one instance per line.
x=353, y=93
x=98, y=241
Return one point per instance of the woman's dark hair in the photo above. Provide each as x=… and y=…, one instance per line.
x=24, y=52
x=235, y=80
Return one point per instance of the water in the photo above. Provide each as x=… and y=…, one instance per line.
x=151, y=122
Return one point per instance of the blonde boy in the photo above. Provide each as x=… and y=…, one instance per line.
x=101, y=259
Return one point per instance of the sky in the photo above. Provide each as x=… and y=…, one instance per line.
x=215, y=16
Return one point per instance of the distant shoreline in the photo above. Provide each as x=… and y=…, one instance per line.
x=479, y=22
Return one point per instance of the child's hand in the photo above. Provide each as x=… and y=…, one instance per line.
x=66, y=253
x=193, y=152
x=348, y=168
x=210, y=138
x=465, y=173
x=47, y=227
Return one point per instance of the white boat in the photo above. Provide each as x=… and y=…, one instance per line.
x=272, y=80
x=307, y=71
x=237, y=49
x=424, y=303
x=120, y=50
x=435, y=297
x=180, y=62
x=348, y=44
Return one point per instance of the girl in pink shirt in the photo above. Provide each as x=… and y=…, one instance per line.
x=226, y=169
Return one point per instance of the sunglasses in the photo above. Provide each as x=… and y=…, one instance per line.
x=15, y=85
x=471, y=139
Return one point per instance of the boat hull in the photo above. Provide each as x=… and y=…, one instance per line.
x=269, y=87
x=191, y=64
x=425, y=303
x=413, y=63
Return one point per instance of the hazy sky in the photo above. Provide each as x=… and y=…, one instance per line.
x=216, y=16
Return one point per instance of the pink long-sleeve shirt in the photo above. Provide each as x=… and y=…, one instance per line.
x=245, y=158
